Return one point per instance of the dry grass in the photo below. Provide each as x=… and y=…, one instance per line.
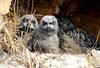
x=9, y=41
x=12, y=44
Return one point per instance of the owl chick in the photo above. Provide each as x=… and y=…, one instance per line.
x=46, y=36
x=28, y=24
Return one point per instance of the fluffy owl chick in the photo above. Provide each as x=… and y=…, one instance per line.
x=28, y=24
x=47, y=37
x=49, y=28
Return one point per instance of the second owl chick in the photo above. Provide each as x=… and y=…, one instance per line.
x=28, y=24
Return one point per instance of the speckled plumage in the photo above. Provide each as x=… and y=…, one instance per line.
x=78, y=35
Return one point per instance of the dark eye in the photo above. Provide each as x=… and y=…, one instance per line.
x=26, y=20
x=51, y=23
x=33, y=21
x=23, y=20
x=45, y=23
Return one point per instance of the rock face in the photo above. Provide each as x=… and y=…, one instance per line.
x=4, y=6
x=88, y=17
x=83, y=12
x=3, y=55
x=11, y=66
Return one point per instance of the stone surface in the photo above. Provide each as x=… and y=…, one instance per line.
x=4, y=6
x=3, y=55
x=11, y=66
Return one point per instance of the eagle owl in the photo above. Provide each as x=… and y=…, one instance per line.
x=81, y=38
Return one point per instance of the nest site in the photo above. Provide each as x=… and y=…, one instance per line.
x=18, y=52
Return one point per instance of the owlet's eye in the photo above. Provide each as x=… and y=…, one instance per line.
x=45, y=23
x=51, y=23
x=33, y=21
x=23, y=20
x=26, y=20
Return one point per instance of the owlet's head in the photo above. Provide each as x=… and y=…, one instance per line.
x=28, y=23
x=49, y=25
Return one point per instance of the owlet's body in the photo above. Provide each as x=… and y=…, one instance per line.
x=28, y=24
x=46, y=36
